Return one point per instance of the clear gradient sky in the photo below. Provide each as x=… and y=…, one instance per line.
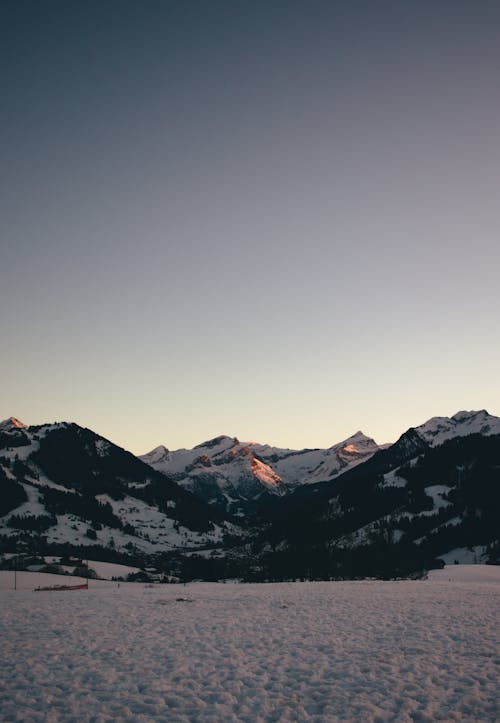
x=272, y=219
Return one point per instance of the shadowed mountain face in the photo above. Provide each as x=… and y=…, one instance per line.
x=406, y=506
x=247, y=509
x=66, y=485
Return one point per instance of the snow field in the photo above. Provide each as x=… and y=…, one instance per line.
x=344, y=651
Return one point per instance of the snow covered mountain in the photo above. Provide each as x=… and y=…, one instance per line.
x=438, y=430
x=62, y=484
x=435, y=493
x=228, y=508
x=11, y=423
x=221, y=468
x=227, y=471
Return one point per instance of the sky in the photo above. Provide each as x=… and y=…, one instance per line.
x=276, y=220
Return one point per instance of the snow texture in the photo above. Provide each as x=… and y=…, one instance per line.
x=104, y=570
x=465, y=556
x=153, y=527
x=324, y=651
x=436, y=492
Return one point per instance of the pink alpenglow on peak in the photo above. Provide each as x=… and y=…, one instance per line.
x=234, y=463
x=264, y=473
x=12, y=423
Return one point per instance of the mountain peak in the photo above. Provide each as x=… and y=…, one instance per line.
x=358, y=436
x=217, y=441
x=463, y=415
x=439, y=429
x=12, y=423
x=356, y=441
x=158, y=454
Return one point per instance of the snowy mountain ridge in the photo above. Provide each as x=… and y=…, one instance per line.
x=440, y=429
x=433, y=493
x=226, y=469
x=75, y=487
x=11, y=423
x=226, y=506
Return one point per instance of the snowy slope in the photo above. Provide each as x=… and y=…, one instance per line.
x=438, y=430
x=175, y=462
x=343, y=456
x=432, y=495
x=61, y=484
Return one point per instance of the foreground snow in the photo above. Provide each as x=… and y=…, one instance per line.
x=371, y=651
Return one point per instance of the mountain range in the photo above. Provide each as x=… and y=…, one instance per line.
x=231, y=508
x=230, y=473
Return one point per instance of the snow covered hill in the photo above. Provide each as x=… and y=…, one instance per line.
x=64, y=485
